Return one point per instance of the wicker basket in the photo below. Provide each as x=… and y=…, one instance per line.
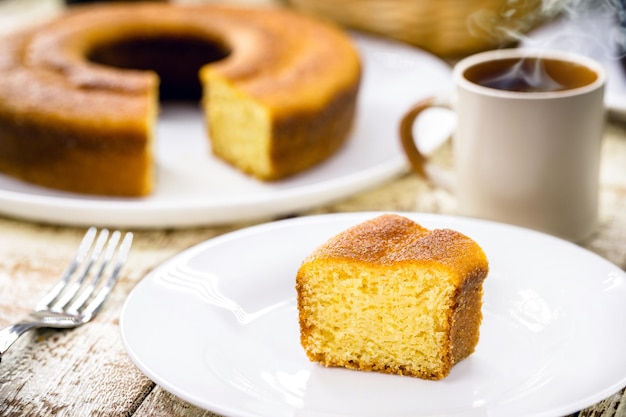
x=448, y=28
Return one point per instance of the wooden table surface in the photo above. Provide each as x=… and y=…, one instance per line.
x=86, y=371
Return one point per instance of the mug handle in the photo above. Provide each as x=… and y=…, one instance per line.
x=419, y=162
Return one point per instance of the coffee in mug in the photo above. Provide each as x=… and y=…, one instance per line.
x=530, y=75
x=527, y=140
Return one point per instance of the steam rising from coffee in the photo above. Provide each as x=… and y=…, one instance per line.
x=595, y=28
x=527, y=75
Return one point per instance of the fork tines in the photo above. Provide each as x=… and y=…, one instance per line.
x=91, y=275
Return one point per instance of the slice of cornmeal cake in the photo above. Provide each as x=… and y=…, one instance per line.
x=391, y=296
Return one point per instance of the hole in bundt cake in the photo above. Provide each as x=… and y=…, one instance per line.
x=176, y=60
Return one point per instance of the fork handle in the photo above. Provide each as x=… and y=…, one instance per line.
x=11, y=333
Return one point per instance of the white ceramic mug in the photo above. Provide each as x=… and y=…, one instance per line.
x=528, y=157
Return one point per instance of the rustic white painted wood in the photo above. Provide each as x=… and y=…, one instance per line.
x=87, y=372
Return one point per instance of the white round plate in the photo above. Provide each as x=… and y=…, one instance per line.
x=217, y=326
x=592, y=34
x=194, y=188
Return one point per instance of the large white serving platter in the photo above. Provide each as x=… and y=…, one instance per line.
x=217, y=325
x=194, y=188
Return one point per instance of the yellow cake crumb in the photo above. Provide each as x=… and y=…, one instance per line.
x=391, y=296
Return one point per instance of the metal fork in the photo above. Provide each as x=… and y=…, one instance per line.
x=76, y=298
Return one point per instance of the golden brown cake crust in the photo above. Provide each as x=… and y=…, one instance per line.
x=384, y=252
x=53, y=96
x=390, y=239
